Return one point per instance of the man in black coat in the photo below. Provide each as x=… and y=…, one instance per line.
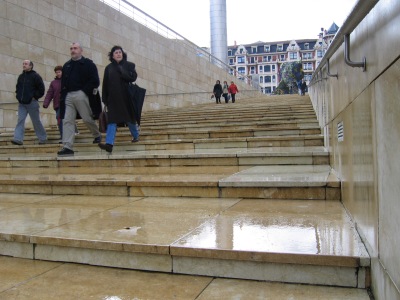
x=29, y=89
x=80, y=81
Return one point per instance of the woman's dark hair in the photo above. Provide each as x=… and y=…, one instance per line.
x=110, y=54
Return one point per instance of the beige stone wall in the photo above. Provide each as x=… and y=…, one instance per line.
x=367, y=160
x=42, y=31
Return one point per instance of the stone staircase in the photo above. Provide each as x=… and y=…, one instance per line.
x=239, y=190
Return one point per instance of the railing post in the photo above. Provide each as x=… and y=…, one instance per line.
x=328, y=70
x=347, y=59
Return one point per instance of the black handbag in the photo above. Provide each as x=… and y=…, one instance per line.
x=103, y=120
x=136, y=96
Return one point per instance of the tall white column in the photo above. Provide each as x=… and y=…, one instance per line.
x=219, y=41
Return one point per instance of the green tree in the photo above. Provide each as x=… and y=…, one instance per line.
x=282, y=88
x=292, y=73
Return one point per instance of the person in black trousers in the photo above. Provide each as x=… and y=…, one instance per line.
x=217, y=91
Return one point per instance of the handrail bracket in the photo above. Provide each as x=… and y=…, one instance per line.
x=362, y=64
x=328, y=70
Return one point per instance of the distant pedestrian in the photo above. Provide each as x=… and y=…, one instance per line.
x=225, y=92
x=117, y=77
x=303, y=88
x=79, y=81
x=29, y=89
x=54, y=94
x=233, y=90
x=217, y=91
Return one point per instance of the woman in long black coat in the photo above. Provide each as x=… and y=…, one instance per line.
x=117, y=76
x=217, y=91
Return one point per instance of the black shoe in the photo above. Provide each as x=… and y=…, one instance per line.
x=107, y=147
x=18, y=143
x=135, y=140
x=97, y=140
x=65, y=152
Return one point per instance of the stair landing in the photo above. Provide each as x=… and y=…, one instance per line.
x=293, y=241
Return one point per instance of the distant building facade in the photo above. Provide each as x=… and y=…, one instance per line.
x=262, y=61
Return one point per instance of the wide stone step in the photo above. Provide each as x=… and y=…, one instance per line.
x=187, y=178
x=192, y=157
x=181, y=132
x=309, y=242
x=218, y=119
x=77, y=281
x=123, y=143
x=184, y=135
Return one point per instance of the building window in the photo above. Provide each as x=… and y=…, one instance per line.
x=273, y=68
x=252, y=60
x=241, y=51
x=229, y=52
x=307, y=66
x=231, y=61
x=307, y=77
x=307, y=56
x=279, y=48
x=260, y=68
x=253, y=49
x=242, y=70
x=252, y=70
x=282, y=57
x=319, y=53
x=267, y=68
x=266, y=48
x=241, y=60
x=268, y=90
x=306, y=46
x=267, y=58
x=267, y=79
x=293, y=55
x=273, y=78
x=261, y=79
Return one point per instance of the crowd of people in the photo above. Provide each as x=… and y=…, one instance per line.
x=74, y=93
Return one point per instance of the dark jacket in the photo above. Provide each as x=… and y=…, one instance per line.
x=88, y=80
x=115, y=91
x=29, y=86
x=217, y=90
x=53, y=93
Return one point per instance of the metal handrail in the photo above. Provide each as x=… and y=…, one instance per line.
x=358, y=13
x=148, y=21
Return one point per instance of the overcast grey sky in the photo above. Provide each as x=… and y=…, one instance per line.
x=249, y=21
